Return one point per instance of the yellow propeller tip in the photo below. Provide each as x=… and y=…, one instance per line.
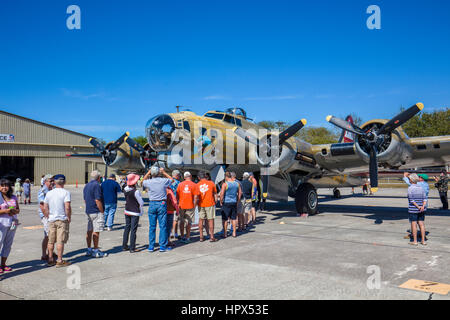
x=420, y=106
x=90, y=139
x=126, y=138
x=234, y=129
x=127, y=133
x=374, y=190
x=304, y=122
x=329, y=118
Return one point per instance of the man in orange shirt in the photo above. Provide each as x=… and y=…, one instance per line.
x=207, y=205
x=187, y=196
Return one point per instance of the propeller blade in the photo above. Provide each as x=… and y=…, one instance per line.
x=97, y=145
x=373, y=167
x=246, y=136
x=401, y=118
x=116, y=144
x=345, y=125
x=136, y=146
x=289, y=132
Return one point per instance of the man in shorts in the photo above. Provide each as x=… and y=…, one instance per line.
x=187, y=195
x=93, y=198
x=230, y=195
x=58, y=211
x=46, y=187
x=207, y=205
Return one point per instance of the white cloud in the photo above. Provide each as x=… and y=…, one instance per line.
x=80, y=95
x=215, y=97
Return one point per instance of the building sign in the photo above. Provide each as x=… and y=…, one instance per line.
x=6, y=137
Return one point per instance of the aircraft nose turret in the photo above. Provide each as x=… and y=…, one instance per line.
x=159, y=130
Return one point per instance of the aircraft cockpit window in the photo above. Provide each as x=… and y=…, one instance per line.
x=218, y=116
x=238, y=122
x=187, y=126
x=229, y=119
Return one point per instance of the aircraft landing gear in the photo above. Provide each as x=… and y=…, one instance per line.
x=336, y=193
x=306, y=199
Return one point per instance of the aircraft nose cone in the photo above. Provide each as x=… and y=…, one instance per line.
x=159, y=131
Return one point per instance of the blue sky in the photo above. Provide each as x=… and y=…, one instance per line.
x=280, y=60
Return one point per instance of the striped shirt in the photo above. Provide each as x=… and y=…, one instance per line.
x=415, y=194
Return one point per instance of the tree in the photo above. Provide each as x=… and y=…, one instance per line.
x=428, y=124
x=314, y=135
x=141, y=140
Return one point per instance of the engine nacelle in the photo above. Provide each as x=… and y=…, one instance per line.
x=280, y=157
x=393, y=152
x=121, y=159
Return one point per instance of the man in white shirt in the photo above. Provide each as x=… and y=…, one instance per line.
x=58, y=211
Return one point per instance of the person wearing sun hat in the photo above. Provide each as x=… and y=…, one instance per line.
x=134, y=208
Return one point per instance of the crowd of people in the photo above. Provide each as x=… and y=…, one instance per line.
x=173, y=205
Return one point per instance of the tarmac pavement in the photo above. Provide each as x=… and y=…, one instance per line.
x=283, y=257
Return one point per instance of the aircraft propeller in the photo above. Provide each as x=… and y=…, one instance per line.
x=145, y=153
x=107, y=152
x=266, y=146
x=375, y=138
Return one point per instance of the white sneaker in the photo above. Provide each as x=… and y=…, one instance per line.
x=89, y=252
x=98, y=254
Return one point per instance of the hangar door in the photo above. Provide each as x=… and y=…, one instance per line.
x=17, y=167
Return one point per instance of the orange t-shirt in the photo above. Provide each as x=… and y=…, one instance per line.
x=206, y=190
x=185, y=193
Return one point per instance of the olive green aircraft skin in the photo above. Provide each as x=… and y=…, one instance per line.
x=302, y=161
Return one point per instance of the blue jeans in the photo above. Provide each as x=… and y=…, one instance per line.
x=110, y=211
x=169, y=224
x=157, y=212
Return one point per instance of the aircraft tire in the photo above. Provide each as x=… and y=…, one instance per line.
x=336, y=193
x=306, y=200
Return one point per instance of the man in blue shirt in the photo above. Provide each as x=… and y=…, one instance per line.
x=93, y=199
x=110, y=189
x=157, y=209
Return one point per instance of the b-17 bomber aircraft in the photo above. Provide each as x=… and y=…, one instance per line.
x=284, y=164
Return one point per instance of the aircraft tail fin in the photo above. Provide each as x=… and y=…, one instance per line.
x=347, y=137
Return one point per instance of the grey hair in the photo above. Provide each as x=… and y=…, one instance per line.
x=414, y=178
x=233, y=174
x=60, y=182
x=95, y=174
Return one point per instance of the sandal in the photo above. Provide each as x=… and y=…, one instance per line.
x=6, y=269
x=63, y=264
x=202, y=239
x=422, y=243
x=414, y=244
x=213, y=240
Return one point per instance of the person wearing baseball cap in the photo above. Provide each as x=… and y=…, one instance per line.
x=157, y=209
x=47, y=185
x=110, y=189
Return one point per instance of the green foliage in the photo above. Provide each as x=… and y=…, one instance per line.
x=314, y=135
x=428, y=124
x=318, y=135
x=141, y=140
